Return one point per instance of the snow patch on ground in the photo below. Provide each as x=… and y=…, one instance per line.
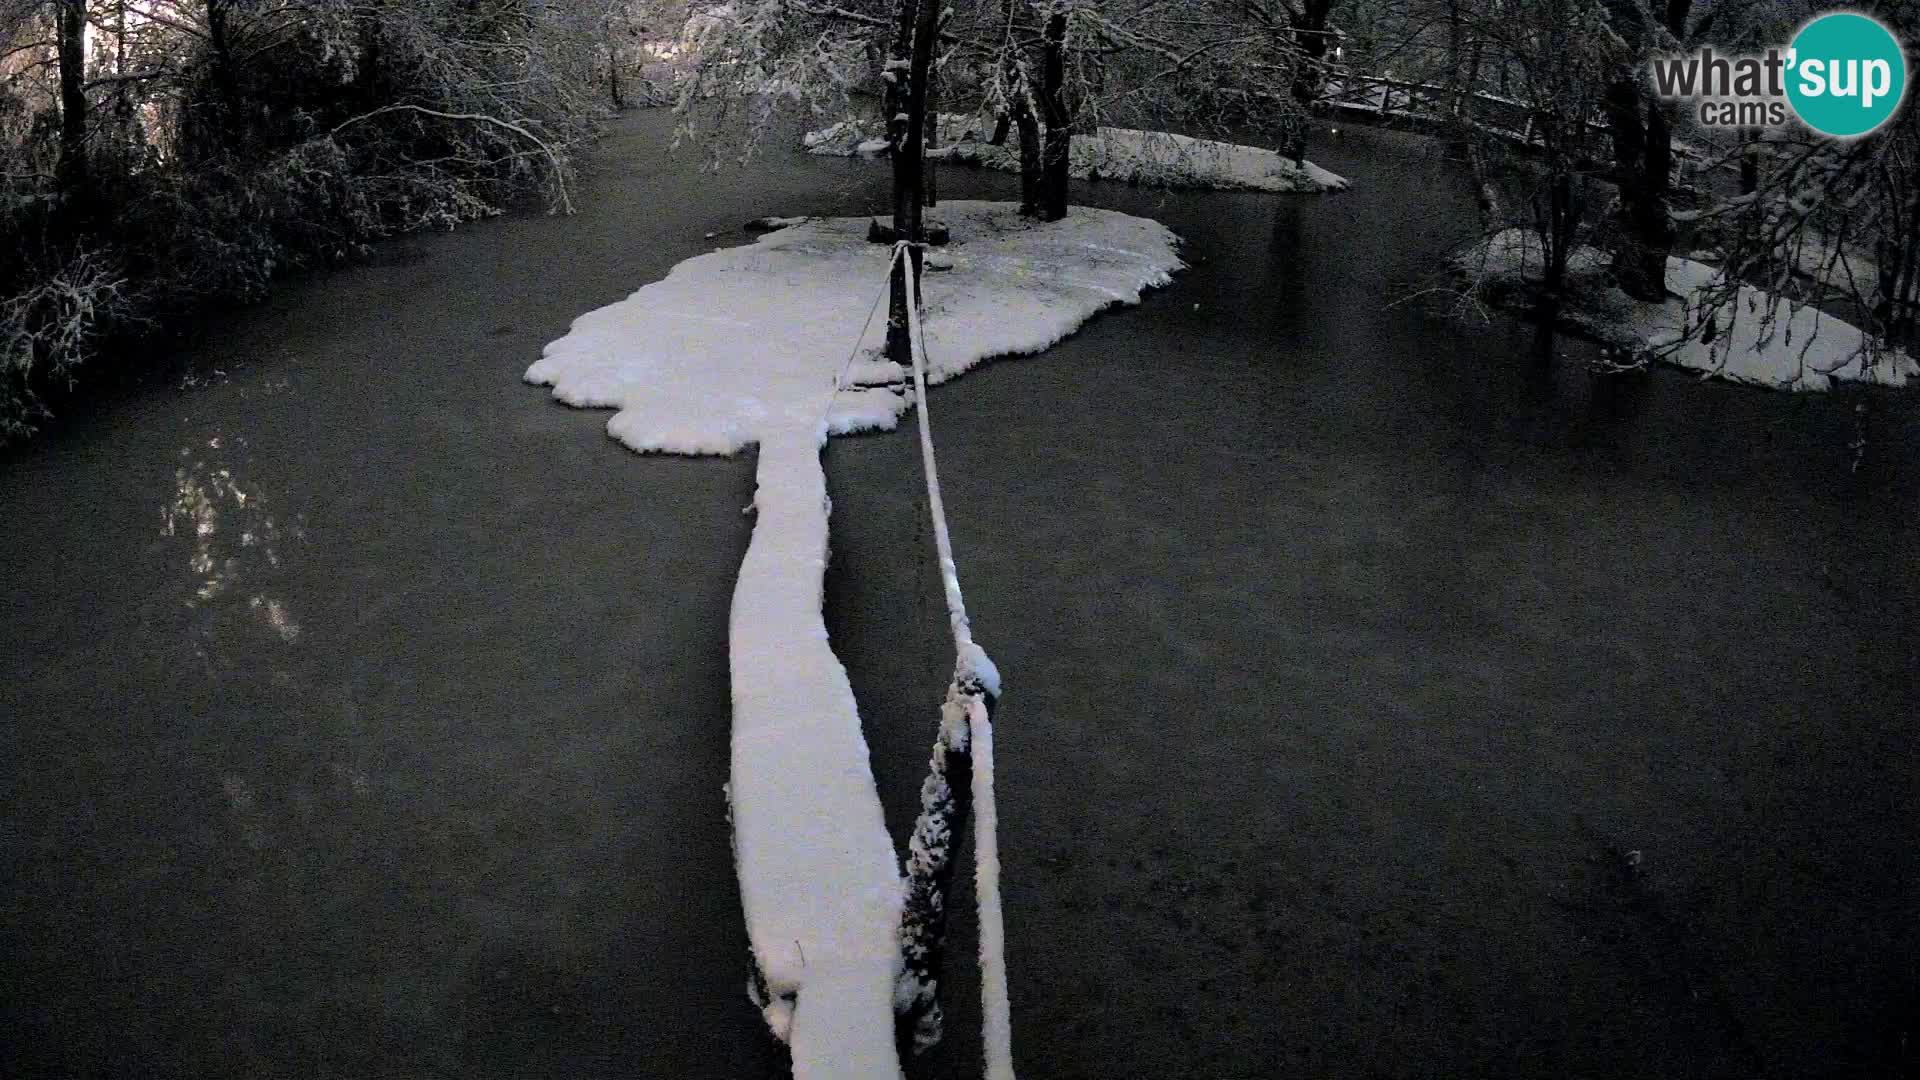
x=1760, y=339
x=1520, y=255
x=848, y=138
x=750, y=345
x=1817, y=256
x=1152, y=158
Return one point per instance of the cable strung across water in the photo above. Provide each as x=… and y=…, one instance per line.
x=975, y=675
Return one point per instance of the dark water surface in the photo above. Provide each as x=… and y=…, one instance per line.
x=364, y=714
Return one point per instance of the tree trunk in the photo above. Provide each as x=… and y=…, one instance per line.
x=73, y=99
x=1310, y=40
x=929, y=183
x=1898, y=261
x=1456, y=55
x=1643, y=161
x=1750, y=161
x=1640, y=259
x=367, y=76
x=1030, y=155
x=220, y=37
x=123, y=91
x=919, y=92
x=1470, y=93
x=613, y=74
x=1561, y=225
x=894, y=101
x=1655, y=224
x=1057, y=155
x=907, y=125
x=1020, y=113
x=899, y=65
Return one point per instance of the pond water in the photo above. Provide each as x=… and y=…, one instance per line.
x=1382, y=699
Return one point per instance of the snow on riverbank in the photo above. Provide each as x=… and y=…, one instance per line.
x=1799, y=348
x=1153, y=158
x=745, y=346
x=1515, y=256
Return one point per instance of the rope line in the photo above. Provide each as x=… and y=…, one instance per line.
x=949, y=573
x=840, y=380
x=971, y=669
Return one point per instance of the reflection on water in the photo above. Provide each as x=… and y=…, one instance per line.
x=276, y=615
x=234, y=540
x=231, y=547
x=243, y=800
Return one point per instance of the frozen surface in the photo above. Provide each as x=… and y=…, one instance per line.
x=1155, y=158
x=748, y=345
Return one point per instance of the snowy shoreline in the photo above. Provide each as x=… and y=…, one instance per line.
x=746, y=346
x=1797, y=348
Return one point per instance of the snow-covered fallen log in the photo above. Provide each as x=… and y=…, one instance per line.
x=750, y=346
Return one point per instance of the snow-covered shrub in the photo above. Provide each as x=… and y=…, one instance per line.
x=1517, y=257
x=48, y=327
x=231, y=142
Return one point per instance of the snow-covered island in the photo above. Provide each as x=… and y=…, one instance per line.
x=1150, y=158
x=1798, y=347
x=751, y=346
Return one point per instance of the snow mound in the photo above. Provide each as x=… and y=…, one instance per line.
x=748, y=340
x=762, y=344
x=1151, y=158
x=845, y=139
x=1515, y=256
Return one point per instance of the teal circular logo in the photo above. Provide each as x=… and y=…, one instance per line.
x=1846, y=74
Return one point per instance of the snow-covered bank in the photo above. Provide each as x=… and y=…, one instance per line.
x=1517, y=257
x=1798, y=348
x=747, y=346
x=1153, y=158
x=1760, y=338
